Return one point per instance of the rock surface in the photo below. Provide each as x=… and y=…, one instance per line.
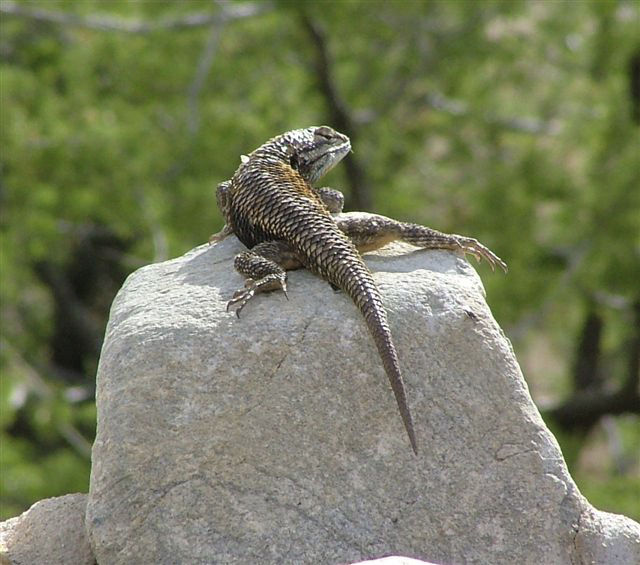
x=50, y=532
x=394, y=560
x=276, y=438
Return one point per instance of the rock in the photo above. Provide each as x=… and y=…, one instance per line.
x=394, y=560
x=50, y=532
x=607, y=538
x=276, y=438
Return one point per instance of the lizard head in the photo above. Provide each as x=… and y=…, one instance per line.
x=311, y=151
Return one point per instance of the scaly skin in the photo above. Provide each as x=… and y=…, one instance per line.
x=271, y=206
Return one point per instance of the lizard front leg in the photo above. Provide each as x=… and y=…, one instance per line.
x=265, y=267
x=373, y=231
x=219, y=236
x=333, y=199
x=223, y=199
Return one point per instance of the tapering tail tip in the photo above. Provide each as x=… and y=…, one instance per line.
x=363, y=292
x=412, y=435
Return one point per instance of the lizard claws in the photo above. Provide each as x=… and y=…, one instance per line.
x=241, y=297
x=479, y=251
x=252, y=287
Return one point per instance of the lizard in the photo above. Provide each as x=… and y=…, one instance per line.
x=272, y=206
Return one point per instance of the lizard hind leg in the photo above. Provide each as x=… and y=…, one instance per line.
x=372, y=231
x=265, y=268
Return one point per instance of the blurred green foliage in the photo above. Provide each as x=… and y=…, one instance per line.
x=507, y=120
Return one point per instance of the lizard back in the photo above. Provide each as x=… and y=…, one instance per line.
x=271, y=199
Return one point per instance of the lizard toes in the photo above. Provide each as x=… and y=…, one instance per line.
x=240, y=298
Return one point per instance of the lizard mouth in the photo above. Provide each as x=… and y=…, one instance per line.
x=327, y=159
x=335, y=153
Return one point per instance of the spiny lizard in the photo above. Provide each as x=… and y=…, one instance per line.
x=270, y=204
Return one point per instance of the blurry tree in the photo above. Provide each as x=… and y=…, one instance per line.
x=513, y=121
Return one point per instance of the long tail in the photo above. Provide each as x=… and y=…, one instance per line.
x=366, y=296
x=336, y=260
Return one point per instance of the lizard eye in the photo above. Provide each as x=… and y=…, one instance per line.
x=324, y=131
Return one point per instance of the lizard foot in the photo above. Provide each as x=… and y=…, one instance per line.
x=479, y=251
x=217, y=237
x=252, y=287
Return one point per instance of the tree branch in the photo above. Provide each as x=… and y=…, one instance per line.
x=105, y=22
x=202, y=71
x=585, y=408
x=586, y=370
x=632, y=385
x=360, y=197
